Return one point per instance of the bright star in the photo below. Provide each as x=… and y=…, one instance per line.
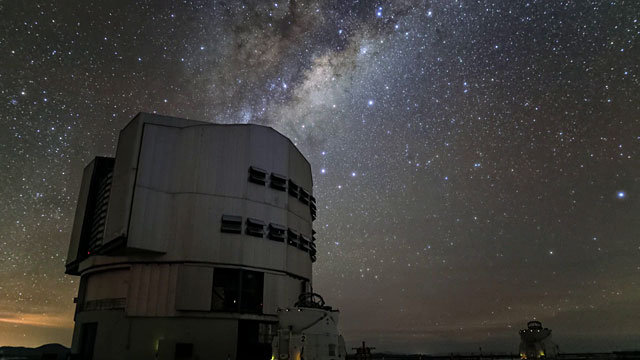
x=621, y=194
x=370, y=102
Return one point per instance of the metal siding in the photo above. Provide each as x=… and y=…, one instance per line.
x=134, y=286
x=299, y=169
x=185, y=231
x=143, y=300
x=151, y=221
x=154, y=290
x=185, y=152
x=194, y=288
x=122, y=187
x=153, y=204
x=172, y=289
x=107, y=285
x=183, y=190
x=81, y=207
x=270, y=294
x=163, y=290
x=222, y=159
x=156, y=163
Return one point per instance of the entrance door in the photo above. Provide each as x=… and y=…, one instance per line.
x=88, y=340
x=254, y=340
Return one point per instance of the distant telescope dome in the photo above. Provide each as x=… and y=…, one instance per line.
x=535, y=342
x=534, y=325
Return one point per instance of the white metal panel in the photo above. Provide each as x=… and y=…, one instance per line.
x=81, y=207
x=269, y=149
x=172, y=289
x=270, y=293
x=152, y=290
x=186, y=156
x=156, y=160
x=224, y=160
x=195, y=284
x=125, y=171
x=299, y=168
x=301, y=210
x=152, y=220
x=122, y=186
x=109, y=284
x=145, y=289
x=134, y=285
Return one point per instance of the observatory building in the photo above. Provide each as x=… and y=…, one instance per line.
x=189, y=241
x=535, y=342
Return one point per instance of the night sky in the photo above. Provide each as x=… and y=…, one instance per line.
x=476, y=163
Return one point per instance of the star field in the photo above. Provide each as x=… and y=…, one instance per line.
x=476, y=163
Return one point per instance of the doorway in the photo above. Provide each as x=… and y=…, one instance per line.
x=254, y=340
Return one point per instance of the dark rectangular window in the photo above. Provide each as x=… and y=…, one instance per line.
x=88, y=334
x=257, y=175
x=96, y=206
x=184, y=351
x=312, y=249
x=277, y=232
x=332, y=349
x=231, y=224
x=252, y=283
x=226, y=289
x=278, y=182
x=312, y=246
x=312, y=207
x=293, y=189
x=304, y=243
x=255, y=227
x=237, y=290
x=292, y=237
x=304, y=196
x=313, y=210
x=100, y=213
x=254, y=340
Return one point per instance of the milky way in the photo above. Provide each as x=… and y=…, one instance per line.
x=476, y=163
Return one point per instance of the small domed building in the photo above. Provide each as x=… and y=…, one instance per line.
x=535, y=342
